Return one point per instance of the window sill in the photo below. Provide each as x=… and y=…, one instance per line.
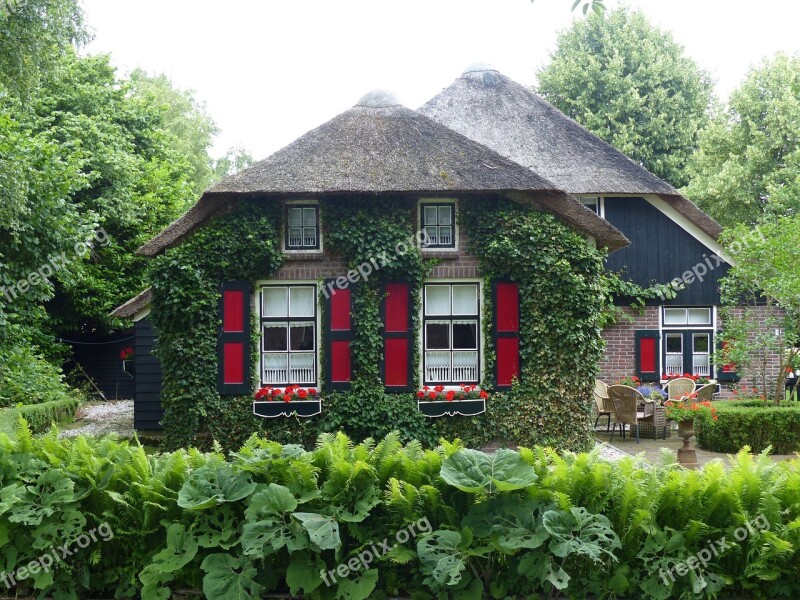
x=304, y=254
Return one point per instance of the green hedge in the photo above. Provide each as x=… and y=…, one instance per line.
x=26, y=377
x=40, y=416
x=377, y=520
x=751, y=423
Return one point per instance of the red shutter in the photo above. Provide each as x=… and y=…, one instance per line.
x=233, y=342
x=647, y=354
x=338, y=336
x=397, y=343
x=505, y=305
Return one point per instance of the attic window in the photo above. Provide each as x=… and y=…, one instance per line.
x=302, y=227
x=438, y=223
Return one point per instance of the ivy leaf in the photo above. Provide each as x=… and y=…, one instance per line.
x=473, y=471
x=303, y=573
x=322, y=530
x=358, y=589
x=207, y=487
x=230, y=578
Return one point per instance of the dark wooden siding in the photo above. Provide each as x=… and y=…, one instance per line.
x=147, y=411
x=660, y=251
x=98, y=356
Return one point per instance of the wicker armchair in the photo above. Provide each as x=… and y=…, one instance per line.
x=605, y=408
x=630, y=407
x=680, y=387
x=706, y=392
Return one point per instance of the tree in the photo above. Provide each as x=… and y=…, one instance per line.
x=631, y=84
x=747, y=166
x=761, y=295
x=185, y=118
x=234, y=160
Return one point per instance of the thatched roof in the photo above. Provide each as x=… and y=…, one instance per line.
x=494, y=110
x=380, y=146
x=134, y=305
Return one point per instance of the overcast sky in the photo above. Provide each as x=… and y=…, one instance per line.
x=271, y=70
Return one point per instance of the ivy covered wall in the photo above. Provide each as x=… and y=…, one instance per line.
x=560, y=279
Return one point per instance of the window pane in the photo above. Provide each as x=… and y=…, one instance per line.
x=445, y=236
x=675, y=343
x=432, y=235
x=445, y=215
x=465, y=299
x=274, y=302
x=310, y=217
x=700, y=342
x=437, y=299
x=301, y=368
x=430, y=215
x=301, y=336
x=275, y=369
x=274, y=337
x=437, y=335
x=700, y=316
x=591, y=203
x=674, y=316
x=301, y=301
x=310, y=237
x=295, y=237
x=465, y=367
x=295, y=217
x=465, y=335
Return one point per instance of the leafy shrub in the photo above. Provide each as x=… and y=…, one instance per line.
x=277, y=519
x=27, y=378
x=41, y=416
x=751, y=423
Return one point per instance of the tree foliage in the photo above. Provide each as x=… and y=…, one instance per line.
x=631, y=84
x=747, y=166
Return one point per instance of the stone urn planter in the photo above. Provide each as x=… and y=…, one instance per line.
x=686, y=454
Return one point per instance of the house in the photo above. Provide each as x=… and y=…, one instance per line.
x=442, y=312
x=672, y=240
x=434, y=323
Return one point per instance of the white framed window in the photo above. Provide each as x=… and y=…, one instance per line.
x=688, y=340
x=451, y=333
x=595, y=203
x=301, y=227
x=289, y=328
x=437, y=219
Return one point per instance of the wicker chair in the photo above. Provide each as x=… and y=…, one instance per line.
x=605, y=408
x=627, y=404
x=680, y=387
x=706, y=392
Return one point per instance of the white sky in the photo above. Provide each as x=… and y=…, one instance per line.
x=271, y=70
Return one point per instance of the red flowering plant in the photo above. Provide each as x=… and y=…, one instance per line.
x=698, y=379
x=126, y=353
x=629, y=381
x=688, y=410
x=287, y=394
x=467, y=392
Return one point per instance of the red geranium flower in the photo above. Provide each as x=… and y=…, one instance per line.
x=287, y=397
x=439, y=388
x=312, y=391
x=432, y=395
x=484, y=394
x=450, y=395
x=302, y=394
x=420, y=394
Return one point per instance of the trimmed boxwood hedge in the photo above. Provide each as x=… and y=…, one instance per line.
x=40, y=416
x=752, y=423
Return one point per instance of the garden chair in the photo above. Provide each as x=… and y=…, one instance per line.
x=630, y=408
x=680, y=387
x=706, y=392
x=605, y=408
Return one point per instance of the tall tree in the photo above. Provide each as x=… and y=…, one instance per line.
x=631, y=84
x=747, y=166
x=185, y=118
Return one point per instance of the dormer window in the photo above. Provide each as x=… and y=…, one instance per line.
x=438, y=223
x=302, y=227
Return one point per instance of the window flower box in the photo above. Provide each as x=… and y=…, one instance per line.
x=271, y=402
x=466, y=402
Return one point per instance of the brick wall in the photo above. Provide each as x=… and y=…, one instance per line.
x=619, y=358
x=458, y=263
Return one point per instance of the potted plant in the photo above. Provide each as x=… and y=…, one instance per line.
x=467, y=401
x=684, y=413
x=631, y=381
x=126, y=356
x=271, y=402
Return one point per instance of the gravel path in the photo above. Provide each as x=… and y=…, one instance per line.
x=609, y=452
x=99, y=419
